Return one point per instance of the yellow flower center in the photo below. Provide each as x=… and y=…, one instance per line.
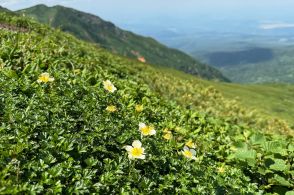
x=190, y=144
x=166, y=130
x=221, y=169
x=167, y=136
x=146, y=130
x=136, y=152
x=111, y=108
x=44, y=79
x=139, y=108
x=188, y=154
x=109, y=87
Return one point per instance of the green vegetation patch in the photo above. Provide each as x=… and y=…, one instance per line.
x=77, y=119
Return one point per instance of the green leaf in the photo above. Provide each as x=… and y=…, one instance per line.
x=290, y=193
x=274, y=147
x=248, y=156
x=280, y=180
x=291, y=148
x=245, y=154
x=11, y=74
x=91, y=161
x=257, y=139
x=280, y=165
x=241, y=145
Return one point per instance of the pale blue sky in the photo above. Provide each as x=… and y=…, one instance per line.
x=148, y=16
x=114, y=9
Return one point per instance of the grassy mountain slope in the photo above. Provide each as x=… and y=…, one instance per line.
x=272, y=101
x=92, y=28
x=58, y=16
x=59, y=136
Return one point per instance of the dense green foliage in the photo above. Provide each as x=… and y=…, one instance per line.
x=92, y=28
x=58, y=137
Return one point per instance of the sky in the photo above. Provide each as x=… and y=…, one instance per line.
x=150, y=17
x=116, y=9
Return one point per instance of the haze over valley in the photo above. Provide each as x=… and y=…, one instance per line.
x=221, y=34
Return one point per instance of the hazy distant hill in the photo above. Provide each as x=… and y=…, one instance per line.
x=255, y=65
x=4, y=9
x=92, y=28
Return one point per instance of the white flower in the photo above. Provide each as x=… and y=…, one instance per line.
x=45, y=78
x=146, y=130
x=189, y=153
x=136, y=150
x=108, y=86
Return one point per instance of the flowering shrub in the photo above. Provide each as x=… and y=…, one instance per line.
x=73, y=135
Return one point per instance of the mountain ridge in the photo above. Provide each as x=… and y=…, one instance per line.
x=4, y=9
x=94, y=29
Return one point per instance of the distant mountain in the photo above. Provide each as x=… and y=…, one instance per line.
x=93, y=29
x=4, y=9
x=278, y=69
x=255, y=65
x=233, y=58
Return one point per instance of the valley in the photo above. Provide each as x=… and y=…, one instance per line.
x=250, y=51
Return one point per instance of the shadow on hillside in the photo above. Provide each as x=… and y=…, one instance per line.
x=252, y=55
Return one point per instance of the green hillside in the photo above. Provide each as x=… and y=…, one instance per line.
x=4, y=9
x=256, y=65
x=65, y=127
x=93, y=29
x=271, y=101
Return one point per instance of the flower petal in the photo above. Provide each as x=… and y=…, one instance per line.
x=142, y=125
x=152, y=132
x=136, y=144
x=128, y=148
x=186, y=148
x=107, y=82
x=45, y=74
x=193, y=152
x=142, y=157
